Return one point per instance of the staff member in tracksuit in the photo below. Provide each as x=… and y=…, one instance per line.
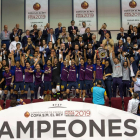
x=117, y=74
x=108, y=78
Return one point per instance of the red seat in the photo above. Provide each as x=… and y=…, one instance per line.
x=116, y=103
x=27, y=101
x=77, y=99
x=88, y=100
x=107, y=102
x=126, y=100
x=8, y=103
x=1, y=104
x=53, y=99
x=37, y=100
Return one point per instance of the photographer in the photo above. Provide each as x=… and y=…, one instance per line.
x=137, y=83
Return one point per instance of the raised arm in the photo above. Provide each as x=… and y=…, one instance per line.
x=95, y=57
x=43, y=60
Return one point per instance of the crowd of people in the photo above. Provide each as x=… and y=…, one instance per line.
x=55, y=61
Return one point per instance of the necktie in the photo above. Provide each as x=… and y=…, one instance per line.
x=69, y=43
x=73, y=27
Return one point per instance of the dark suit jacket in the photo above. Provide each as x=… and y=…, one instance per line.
x=12, y=37
x=74, y=39
x=70, y=29
x=134, y=38
x=45, y=33
x=124, y=49
x=90, y=55
x=36, y=33
x=86, y=38
x=37, y=40
x=70, y=48
x=95, y=46
x=57, y=32
x=49, y=36
x=24, y=40
x=128, y=45
x=101, y=32
x=124, y=37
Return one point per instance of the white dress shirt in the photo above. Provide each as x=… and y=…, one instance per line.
x=133, y=106
x=13, y=47
x=52, y=39
x=82, y=30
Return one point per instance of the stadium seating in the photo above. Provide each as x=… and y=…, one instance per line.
x=77, y=99
x=7, y=103
x=37, y=100
x=116, y=103
x=107, y=102
x=126, y=100
x=27, y=101
x=88, y=100
x=1, y=104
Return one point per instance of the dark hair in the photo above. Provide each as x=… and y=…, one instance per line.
x=135, y=95
x=13, y=103
x=27, y=62
x=34, y=25
x=82, y=59
x=6, y=66
x=72, y=21
x=99, y=82
x=105, y=24
x=83, y=22
x=65, y=96
x=17, y=44
x=129, y=26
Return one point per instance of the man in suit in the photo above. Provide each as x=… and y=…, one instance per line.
x=13, y=34
x=64, y=35
x=69, y=45
x=135, y=36
x=72, y=27
x=128, y=43
x=51, y=36
x=123, y=36
x=108, y=43
x=34, y=31
x=58, y=30
x=120, y=48
x=46, y=30
x=103, y=32
x=81, y=43
x=87, y=37
x=19, y=31
x=25, y=38
x=95, y=43
x=74, y=36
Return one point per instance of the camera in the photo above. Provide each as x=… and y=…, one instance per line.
x=58, y=48
x=127, y=54
x=61, y=49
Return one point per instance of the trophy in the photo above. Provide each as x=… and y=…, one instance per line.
x=102, y=52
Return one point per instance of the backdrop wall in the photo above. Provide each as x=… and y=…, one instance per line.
x=61, y=10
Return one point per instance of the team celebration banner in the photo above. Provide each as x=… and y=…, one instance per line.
x=130, y=13
x=85, y=11
x=36, y=13
x=67, y=120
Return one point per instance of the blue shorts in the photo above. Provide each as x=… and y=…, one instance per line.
x=8, y=87
x=28, y=85
x=63, y=85
x=47, y=85
x=19, y=85
x=89, y=84
x=72, y=84
x=81, y=85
